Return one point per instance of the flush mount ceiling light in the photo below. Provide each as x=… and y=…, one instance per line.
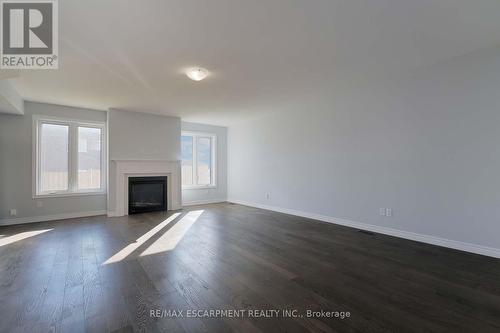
x=197, y=73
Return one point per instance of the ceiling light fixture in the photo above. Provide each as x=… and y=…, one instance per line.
x=197, y=73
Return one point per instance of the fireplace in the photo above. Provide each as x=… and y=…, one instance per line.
x=147, y=194
x=120, y=171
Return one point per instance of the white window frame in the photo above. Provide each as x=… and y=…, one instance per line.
x=213, y=168
x=73, y=125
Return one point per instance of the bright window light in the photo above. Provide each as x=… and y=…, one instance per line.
x=53, y=159
x=127, y=250
x=89, y=158
x=18, y=237
x=169, y=240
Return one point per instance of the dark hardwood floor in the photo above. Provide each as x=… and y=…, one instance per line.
x=104, y=274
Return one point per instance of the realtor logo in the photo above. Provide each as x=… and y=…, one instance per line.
x=29, y=34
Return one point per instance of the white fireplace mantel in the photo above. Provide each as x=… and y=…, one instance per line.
x=121, y=170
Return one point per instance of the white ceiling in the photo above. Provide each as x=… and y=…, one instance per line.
x=263, y=55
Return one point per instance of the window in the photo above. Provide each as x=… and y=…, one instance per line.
x=198, y=160
x=89, y=158
x=54, y=165
x=69, y=157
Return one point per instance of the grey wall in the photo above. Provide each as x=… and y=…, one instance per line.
x=141, y=136
x=134, y=135
x=16, y=165
x=10, y=101
x=427, y=146
x=220, y=192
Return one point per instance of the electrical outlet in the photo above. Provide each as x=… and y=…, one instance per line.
x=268, y=196
x=385, y=212
x=13, y=212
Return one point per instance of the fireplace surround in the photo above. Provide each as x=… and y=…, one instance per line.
x=121, y=170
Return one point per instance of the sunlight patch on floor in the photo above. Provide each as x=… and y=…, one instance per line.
x=127, y=250
x=169, y=240
x=20, y=236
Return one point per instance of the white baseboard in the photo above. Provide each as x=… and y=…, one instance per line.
x=453, y=244
x=202, y=202
x=22, y=220
x=111, y=213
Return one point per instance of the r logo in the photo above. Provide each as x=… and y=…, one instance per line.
x=27, y=28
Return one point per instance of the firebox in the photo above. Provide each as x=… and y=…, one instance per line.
x=147, y=194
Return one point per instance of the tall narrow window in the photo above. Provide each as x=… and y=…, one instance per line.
x=69, y=157
x=198, y=160
x=54, y=168
x=204, y=154
x=89, y=158
x=187, y=160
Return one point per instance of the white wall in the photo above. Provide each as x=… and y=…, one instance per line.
x=427, y=146
x=218, y=194
x=140, y=136
x=16, y=167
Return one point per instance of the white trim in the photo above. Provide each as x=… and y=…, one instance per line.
x=198, y=133
x=198, y=187
x=202, y=202
x=112, y=213
x=69, y=194
x=453, y=244
x=139, y=160
x=63, y=216
x=108, y=199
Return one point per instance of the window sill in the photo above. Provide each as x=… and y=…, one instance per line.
x=71, y=194
x=208, y=187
